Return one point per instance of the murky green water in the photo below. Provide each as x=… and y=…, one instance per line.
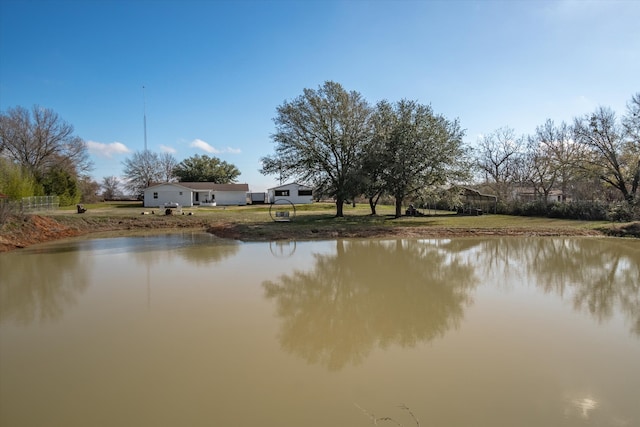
x=190, y=330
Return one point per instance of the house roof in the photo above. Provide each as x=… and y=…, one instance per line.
x=288, y=185
x=3, y=196
x=207, y=186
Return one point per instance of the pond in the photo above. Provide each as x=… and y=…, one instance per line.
x=186, y=329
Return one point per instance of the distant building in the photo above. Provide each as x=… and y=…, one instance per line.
x=188, y=194
x=529, y=194
x=292, y=192
x=475, y=202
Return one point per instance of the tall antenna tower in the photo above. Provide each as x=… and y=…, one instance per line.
x=144, y=101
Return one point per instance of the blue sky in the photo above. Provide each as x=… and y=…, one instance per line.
x=215, y=71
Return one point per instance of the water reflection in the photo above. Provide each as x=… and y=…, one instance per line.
x=370, y=293
x=196, y=248
x=528, y=349
x=41, y=282
x=601, y=276
x=40, y=291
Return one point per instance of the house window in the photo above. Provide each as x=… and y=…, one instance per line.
x=304, y=193
x=155, y=195
x=282, y=192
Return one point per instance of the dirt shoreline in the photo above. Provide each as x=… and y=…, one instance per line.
x=22, y=232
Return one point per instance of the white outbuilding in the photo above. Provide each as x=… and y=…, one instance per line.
x=187, y=194
x=292, y=192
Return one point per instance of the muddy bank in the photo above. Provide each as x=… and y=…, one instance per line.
x=269, y=232
x=20, y=232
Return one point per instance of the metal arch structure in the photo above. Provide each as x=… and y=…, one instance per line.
x=282, y=215
x=282, y=249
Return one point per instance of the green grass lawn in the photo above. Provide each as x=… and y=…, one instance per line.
x=323, y=214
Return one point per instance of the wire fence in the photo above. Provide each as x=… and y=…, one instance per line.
x=28, y=205
x=39, y=203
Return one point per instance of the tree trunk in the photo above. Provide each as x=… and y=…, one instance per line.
x=372, y=205
x=339, y=206
x=398, y=207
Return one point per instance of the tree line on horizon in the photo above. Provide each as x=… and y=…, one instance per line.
x=41, y=155
x=346, y=148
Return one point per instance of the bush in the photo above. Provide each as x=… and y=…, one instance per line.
x=8, y=208
x=590, y=211
x=623, y=212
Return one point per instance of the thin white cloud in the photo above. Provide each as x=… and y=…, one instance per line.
x=167, y=149
x=205, y=146
x=107, y=150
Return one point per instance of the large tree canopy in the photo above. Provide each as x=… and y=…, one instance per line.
x=420, y=148
x=206, y=169
x=319, y=137
x=38, y=139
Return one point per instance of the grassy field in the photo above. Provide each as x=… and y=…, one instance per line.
x=322, y=215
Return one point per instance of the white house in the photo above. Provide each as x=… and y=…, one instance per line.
x=195, y=193
x=293, y=192
x=529, y=194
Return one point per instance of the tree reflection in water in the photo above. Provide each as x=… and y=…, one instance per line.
x=40, y=291
x=370, y=293
x=42, y=282
x=602, y=276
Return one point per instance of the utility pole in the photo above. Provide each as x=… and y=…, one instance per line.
x=144, y=101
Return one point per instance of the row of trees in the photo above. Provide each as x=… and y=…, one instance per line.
x=343, y=146
x=144, y=168
x=41, y=155
x=596, y=158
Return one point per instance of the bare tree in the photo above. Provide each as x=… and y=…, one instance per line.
x=552, y=158
x=167, y=165
x=500, y=160
x=88, y=190
x=631, y=120
x=110, y=187
x=609, y=153
x=631, y=123
x=142, y=170
x=538, y=169
x=39, y=139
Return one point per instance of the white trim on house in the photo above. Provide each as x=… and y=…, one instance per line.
x=293, y=192
x=188, y=194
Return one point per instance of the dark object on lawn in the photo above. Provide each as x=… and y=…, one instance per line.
x=412, y=211
x=81, y=209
